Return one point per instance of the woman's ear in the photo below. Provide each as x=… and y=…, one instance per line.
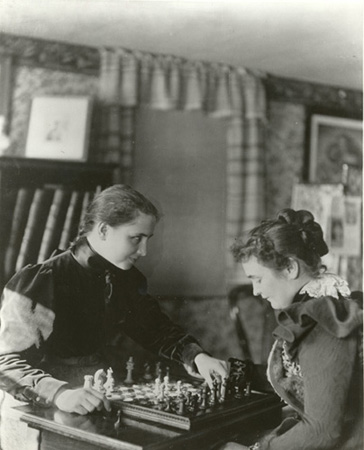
x=293, y=269
x=102, y=230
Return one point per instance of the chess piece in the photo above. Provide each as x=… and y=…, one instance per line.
x=166, y=384
x=147, y=372
x=248, y=389
x=118, y=421
x=194, y=403
x=99, y=380
x=188, y=398
x=158, y=370
x=168, y=405
x=213, y=396
x=129, y=367
x=223, y=390
x=110, y=382
x=203, y=403
x=178, y=387
x=157, y=387
x=88, y=381
x=181, y=405
x=161, y=393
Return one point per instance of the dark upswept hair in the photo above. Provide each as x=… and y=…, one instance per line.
x=119, y=204
x=291, y=234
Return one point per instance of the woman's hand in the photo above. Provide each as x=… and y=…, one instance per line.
x=81, y=401
x=233, y=446
x=211, y=368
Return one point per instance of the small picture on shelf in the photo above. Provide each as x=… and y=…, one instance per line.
x=59, y=128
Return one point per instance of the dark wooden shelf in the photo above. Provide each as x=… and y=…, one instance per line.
x=33, y=172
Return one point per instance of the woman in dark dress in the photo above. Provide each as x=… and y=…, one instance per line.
x=60, y=318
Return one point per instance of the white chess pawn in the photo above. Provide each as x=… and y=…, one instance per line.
x=88, y=381
x=110, y=382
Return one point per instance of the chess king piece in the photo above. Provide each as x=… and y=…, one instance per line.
x=129, y=368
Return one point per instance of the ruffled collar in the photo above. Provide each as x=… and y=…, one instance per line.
x=324, y=301
x=327, y=284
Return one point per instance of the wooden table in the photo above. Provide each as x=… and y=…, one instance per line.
x=60, y=430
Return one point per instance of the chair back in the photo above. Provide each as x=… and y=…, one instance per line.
x=254, y=322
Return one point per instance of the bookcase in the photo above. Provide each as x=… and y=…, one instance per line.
x=41, y=205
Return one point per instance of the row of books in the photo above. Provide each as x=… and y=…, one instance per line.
x=44, y=219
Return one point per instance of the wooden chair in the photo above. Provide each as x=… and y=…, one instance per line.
x=254, y=322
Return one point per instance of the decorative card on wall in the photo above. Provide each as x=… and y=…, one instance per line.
x=59, y=128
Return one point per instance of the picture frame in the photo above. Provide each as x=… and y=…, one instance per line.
x=334, y=142
x=59, y=128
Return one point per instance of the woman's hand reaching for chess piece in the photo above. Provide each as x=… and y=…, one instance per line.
x=210, y=368
x=81, y=401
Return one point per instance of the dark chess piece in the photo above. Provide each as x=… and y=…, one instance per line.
x=147, y=372
x=213, y=395
x=158, y=370
x=194, y=403
x=223, y=390
x=181, y=405
x=240, y=375
x=203, y=403
x=188, y=398
x=118, y=421
x=168, y=407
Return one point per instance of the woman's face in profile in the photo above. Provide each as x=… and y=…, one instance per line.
x=124, y=244
x=271, y=284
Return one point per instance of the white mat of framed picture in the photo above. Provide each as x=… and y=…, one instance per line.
x=59, y=128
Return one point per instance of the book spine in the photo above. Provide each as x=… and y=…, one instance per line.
x=53, y=225
x=19, y=220
x=34, y=228
x=66, y=235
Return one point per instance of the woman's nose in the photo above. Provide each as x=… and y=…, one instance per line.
x=142, y=250
x=256, y=291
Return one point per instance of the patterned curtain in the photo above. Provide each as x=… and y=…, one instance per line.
x=129, y=80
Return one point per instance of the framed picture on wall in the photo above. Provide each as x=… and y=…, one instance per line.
x=59, y=128
x=334, y=142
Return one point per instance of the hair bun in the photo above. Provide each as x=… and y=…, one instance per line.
x=309, y=230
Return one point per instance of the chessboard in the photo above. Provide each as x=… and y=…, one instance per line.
x=186, y=411
x=183, y=403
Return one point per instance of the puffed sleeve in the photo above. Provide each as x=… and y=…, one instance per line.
x=26, y=322
x=327, y=365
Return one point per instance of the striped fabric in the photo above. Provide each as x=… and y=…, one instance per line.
x=130, y=80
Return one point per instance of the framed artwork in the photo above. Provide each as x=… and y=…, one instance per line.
x=59, y=128
x=334, y=142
